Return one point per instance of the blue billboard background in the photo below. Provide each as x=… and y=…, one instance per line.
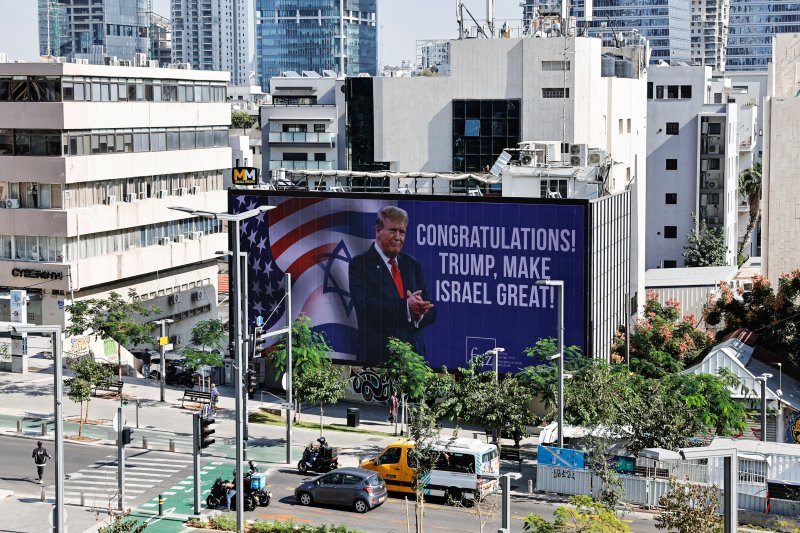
x=480, y=262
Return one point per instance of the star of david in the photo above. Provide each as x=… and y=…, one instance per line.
x=330, y=285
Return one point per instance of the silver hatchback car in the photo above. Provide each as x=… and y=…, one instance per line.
x=357, y=488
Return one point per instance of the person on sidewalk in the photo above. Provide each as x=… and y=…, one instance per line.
x=40, y=457
x=393, y=405
x=214, y=396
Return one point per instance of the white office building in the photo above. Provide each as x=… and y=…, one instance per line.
x=211, y=35
x=91, y=157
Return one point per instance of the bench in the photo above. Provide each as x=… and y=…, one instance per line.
x=196, y=396
x=516, y=436
x=114, y=387
x=512, y=454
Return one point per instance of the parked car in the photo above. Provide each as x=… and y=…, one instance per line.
x=357, y=488
x=174, y=362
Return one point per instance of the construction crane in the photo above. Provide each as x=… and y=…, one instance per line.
x=53, y=27
x=151, y=33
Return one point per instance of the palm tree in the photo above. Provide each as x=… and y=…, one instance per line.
x=750, y=188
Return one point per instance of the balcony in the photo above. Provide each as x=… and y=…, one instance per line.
x=277, y=137
x=302, y=165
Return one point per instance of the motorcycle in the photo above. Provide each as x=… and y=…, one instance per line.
x=219, y=496
x=319, y=459
x=255, y=484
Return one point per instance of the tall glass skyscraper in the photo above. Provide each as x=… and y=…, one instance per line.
x=303, y=35
x=76, y=28
x=666, y=24
x=753, y=23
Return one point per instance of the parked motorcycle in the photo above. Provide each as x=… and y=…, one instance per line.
x=319, y=459
x=218, y=497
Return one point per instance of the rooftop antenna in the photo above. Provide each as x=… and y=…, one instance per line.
x=460, y=18
x=490, y=16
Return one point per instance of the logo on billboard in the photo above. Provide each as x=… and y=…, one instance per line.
x=245, y=176
x=478, y=346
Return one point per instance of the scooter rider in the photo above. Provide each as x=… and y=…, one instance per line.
x=321, y=452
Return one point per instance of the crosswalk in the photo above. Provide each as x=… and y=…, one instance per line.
x=96, y=484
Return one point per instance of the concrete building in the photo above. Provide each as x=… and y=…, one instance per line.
x=693, y=148
x=211, y=35
x=306, y=35
x=710, y=33
x=780, y=204
x=753, y=26
x=76, y=29
x=162, y=40
x=91, y=157
x=303, y=128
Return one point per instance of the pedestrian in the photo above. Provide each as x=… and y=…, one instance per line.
x=40, y=457
x=214, y=396
x=393, y=405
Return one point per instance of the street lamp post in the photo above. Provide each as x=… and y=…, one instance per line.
x=763, y=379
x=559, y=285
x=237, y=304
x=162, y=348
x=496, y=352
x=54, y=331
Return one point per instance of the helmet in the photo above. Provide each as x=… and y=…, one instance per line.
x=322, y=441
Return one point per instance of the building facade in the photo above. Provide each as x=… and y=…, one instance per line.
x=76, y=29
x=710, y=33
x=211, y=35
x=91, y=158
x=753, y=27
x=305, y=35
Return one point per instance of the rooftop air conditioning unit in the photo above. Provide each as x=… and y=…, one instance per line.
x=124, y=62
x=195, y=189
x=161, y=193
x=153, y=63
x=704, y=164
x=596, y=157
x=711, y=184
x=140, y=60
x=180, y=238
x=110, y=199
x=11, y=203
x=174, y=298
x=164, y=241
x=195, y=235
x=198, y=296
x=111, y=61
x=577, y=153
x=713, y=149
x=181, y=191
x=131, y=197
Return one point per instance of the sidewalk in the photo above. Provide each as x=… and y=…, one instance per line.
x=29, y=398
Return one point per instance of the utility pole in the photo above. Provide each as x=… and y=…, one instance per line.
x=559, y=286
x=120, y=461
x=162, y=348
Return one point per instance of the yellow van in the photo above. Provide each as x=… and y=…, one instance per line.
x=465, y=469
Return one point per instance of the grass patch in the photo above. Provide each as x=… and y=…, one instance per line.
x=263, y=417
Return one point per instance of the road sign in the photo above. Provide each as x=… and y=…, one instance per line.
x=52, y=518
x=168, y=347
x=284, y=381
x=163, y=341
x=115, y=422
x=259, y=321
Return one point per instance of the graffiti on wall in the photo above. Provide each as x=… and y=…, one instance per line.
x=368, y=386
x=793, y=429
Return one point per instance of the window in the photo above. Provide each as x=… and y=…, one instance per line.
x=319, y=156
x=670, y=232
x=649, y=90
x=672, y=164
x=629, y=125
x=671, y=198
x=456, y=462
x=714, y=128
x=556, y=65
x=670, y=263
x=553, y=188
x=660, y=92
x=686, y=91
x=332, y=479
x=391, y=456
x=672, y=128
x=672, y=91
x=294, y=128
x=555, y=92
x=717, y=98
x=319, y=128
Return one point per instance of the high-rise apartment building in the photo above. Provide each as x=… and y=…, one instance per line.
x=306, y=35
x=752, y=30
x=710, y=33
x=84, y=30
x=91, y=158
x=211, y=35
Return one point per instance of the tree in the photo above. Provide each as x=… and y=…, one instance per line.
x=209, y=336
x=689, y=508
x=407, y=370
x=661, y=342
x=319, y=385
x=241, y=120
x=88, y=374
x=750, y=189
x=113, y=318
x=122, y=523
x=706, y=246
x=771, y=312
x=584, y=516
x=424, y=431
x=542, y=378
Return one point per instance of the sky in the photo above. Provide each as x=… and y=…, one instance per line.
x=402, y=23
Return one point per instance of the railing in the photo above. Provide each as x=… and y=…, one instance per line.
x=301, y=165
x=301, y=137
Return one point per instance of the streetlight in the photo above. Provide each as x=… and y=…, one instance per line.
x=763, y=379
x=559, y=284
x=162, y=347
x=55, y=332
x=496, y=352
x=234, y=235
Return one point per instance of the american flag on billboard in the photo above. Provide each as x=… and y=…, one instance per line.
x=314, y=240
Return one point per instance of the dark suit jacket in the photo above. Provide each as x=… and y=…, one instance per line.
x=380, y=311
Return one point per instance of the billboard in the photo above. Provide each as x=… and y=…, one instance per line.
x=473, y=263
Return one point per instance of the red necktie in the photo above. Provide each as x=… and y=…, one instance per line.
x=398, y=281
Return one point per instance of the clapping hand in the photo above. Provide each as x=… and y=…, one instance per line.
x=417, y=305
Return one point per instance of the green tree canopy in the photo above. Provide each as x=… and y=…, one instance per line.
x=88, y=375
x=750, y=189
x=319, y=386
x=207, y=342
x=706, y=246
x=310, y=349
x=409, y=372
x=241, y=120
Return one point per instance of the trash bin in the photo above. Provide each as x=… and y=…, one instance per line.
x=353, y=417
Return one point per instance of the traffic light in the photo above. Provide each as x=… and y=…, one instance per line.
x=127, y=434
x=205, y=432
x=259, y=342
x=251, y=381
